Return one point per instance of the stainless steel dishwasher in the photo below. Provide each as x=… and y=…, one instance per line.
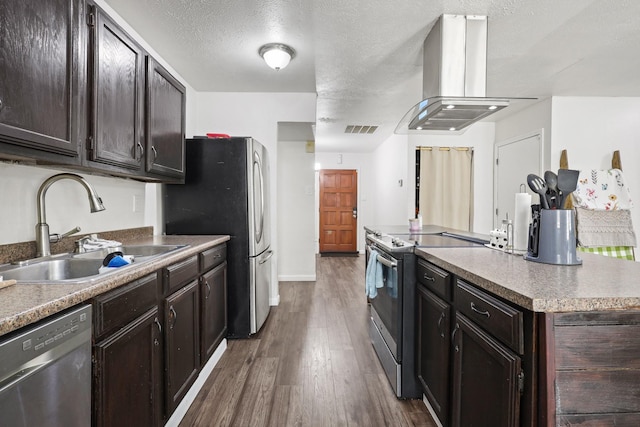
x=45, y=372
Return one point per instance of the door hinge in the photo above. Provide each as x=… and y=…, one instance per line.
x=496, y=162
x=521, y=382
x=91, y=19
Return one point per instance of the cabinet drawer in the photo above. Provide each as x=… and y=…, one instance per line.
x=180, y=273
x=213, y=257
x=115, y=309
x=494, y=316
x=435, y=279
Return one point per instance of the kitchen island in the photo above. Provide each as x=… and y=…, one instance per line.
x=569, y=335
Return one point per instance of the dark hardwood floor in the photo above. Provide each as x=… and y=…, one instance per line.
x=312, y=364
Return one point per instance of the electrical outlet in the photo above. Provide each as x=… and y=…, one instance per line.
x=138, y=203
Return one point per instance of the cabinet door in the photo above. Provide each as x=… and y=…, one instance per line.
x=165, y=122
x=39, y=74
x=486, y=389
x=128, y=374
x=117, y=63
x=182, y=343
x=434, y=350
x=213, y=291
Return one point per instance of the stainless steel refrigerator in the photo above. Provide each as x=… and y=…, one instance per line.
x=226, y=191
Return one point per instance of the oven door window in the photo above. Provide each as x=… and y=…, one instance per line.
x=386, y=304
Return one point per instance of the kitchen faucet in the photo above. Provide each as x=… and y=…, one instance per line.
x=43, y=238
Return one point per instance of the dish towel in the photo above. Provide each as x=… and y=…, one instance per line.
x=602, y=190
x=96, y=243
x=373, y=275
x=604, y=228
x=392, y=282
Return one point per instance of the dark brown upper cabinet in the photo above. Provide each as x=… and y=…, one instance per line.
x=40, y=79
x=116, y=64
x=165, y=124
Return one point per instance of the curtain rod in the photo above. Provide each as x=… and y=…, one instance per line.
x=446, y=148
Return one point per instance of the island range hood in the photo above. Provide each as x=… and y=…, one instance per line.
x=454, y=77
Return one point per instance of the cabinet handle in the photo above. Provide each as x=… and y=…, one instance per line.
x=155, y=152
x=453, y=337
x=442, y=316
x=429, y=278
x=156, y=342
x=206, y=283
x=1, y=105
x=480, y=312
x=173, y=316
x=141, y=147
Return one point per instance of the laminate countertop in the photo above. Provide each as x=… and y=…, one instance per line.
x=601, y=283
x=25, y=303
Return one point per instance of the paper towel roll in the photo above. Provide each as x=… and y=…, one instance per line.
x=522, y=218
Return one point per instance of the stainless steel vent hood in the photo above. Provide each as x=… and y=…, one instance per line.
x=454, y=77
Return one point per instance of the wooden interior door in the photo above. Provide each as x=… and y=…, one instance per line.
x=338, y=210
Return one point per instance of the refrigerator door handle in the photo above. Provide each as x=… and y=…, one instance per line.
x=268, y=255
x=260, y=226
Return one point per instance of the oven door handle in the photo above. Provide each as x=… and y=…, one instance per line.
x=384, y=260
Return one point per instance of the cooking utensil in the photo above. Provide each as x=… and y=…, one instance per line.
x=551, y=179
x=567, y=183
x=537, y=185
x=534, y=231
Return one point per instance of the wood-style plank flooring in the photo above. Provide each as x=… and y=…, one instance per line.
x=312, y=364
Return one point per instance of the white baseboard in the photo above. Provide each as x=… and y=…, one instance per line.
x=298, y=278
x=191, y=395
x=275, y=301
x=431, y=411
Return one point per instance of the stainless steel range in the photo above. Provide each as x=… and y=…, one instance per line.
x=393, y=309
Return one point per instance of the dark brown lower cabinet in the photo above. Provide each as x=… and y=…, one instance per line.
x=182, y=343
x=434, y=347
x=486, y=389
x=213, y=297
x=128, y=374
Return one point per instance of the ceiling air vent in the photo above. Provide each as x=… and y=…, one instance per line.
x=360, y=129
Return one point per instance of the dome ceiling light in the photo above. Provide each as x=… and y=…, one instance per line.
x=277, y=55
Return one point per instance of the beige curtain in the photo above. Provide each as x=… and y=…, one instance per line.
x=446, y=196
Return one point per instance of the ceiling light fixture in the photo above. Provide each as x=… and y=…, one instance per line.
x=277, y=55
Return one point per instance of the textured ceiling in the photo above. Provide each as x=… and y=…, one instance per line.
x=364, y=58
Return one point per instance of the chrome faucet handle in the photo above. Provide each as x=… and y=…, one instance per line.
x=80, y=243
x=55, y=237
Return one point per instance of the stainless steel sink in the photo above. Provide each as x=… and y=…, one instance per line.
x=58, y=269
x=138, y=251
x=75, y=268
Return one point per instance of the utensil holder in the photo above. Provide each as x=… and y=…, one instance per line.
x=557, y=238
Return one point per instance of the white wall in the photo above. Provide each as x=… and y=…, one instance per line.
x=362, y=163
x=591, y=129
x=296, y=202
x=256, y=115
x=537, y=117
x=66, y=203
x=391, y=163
